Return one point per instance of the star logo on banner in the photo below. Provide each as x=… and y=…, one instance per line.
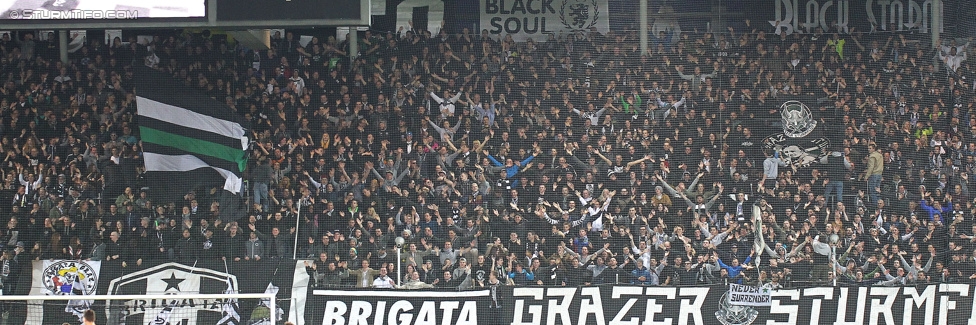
x=173, y=282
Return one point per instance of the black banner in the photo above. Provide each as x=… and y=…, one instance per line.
x=247, y=10
x=635, y=305
x=806, y=16
x=406, y=307
x=211, y=276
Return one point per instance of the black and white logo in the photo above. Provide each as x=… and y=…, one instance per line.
x=729, y=314
x=579, y=15
x=797, y=152
x=171, y=279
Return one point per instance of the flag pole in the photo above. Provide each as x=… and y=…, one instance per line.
x=298, y=220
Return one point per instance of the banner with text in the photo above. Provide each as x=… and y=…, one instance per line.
x=536, y=19
x=807, y=16
x=743, y=295
x=631, y=305
x=62, y=278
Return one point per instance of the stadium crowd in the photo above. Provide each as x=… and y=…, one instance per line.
x=560, y=163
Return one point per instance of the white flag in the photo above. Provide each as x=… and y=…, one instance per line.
x=230, y=309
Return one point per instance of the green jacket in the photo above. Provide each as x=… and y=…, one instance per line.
x=627, y=106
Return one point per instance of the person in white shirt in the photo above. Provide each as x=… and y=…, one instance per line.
x=953, y=56
x=383, y=281
x=446, y=104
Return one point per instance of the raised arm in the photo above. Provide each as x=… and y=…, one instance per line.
x=638, y=161
x=376, y=173
x=492, y=159
x=695, y=181
x=436, y=98
x=679, y=103
x=675, y=192
x=438, y=128
x=599, y=113
x=660, y=103
x=715, y=197
x=607, y=160
x=928, y=265
x=455, y=98
x=688, y=77
x=720, y=264
x=457, y=126
x=908, y=266
x=606, y=203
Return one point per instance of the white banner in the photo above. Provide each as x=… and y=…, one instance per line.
x=743, y=295
x=299, y=291
x=62, y=277
x=536, y=19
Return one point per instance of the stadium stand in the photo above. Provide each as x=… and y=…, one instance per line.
x=569, y=162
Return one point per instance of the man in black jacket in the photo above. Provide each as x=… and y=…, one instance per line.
x=279, y=245
x=448, y=281
x=553, y=275
x=113, y=248
x=614, y=273
x=684, y=272
x=578, y=274
x=162, y=241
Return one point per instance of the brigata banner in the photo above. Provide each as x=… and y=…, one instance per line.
x=633, y=305
x=743, y=295
x=352, y=307
x=536, y=19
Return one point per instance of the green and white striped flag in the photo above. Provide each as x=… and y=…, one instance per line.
x=189, y=140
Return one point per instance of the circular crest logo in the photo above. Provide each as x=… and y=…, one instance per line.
x=729, y=314
x=70, y=278
x=797, y=120
x=578, y=15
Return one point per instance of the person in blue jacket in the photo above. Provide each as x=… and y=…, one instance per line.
x=735, y=268
x=510, y=166
x=936, y=211
x=520, y=276
x=640, y=275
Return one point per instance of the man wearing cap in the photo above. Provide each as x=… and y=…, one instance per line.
x=390, y=178
x=382, y=256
